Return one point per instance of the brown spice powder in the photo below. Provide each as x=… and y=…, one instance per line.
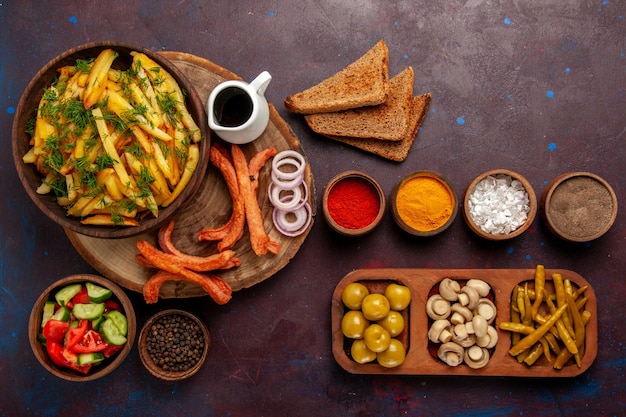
x=580, y=207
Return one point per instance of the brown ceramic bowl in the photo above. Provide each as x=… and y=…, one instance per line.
x=148, y=361
x=500, y=173
x=444, y=218
x=27, y=108
x=97, y=371
x=343, y=227
x=578, y=206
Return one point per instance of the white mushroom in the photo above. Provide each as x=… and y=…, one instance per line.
x=489, y=340
x=460, y=332
x=460, y=314
x=469, y=341
x=481, y=286
x=439, y=331
x=437, y=307
x=449, y=289
x=451, y=353
x=469, y=297
x=476, y=357
x=487, y=309
x=480, y=325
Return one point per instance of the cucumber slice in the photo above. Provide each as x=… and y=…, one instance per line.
x=90, y=358
x=96, y=293
x=48, y=312
x=95, y=324
x=119, y=320
x=62, y=314
x=65, y=294
x=89, y=311
x=111, y=334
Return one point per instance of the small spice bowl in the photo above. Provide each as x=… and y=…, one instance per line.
x=488, y=215
x=423, y=204
x=158, y=342
x=113, y=357
x=353, y=203
x=578, y=206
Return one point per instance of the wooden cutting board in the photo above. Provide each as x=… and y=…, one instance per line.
x=421, y=358
x=210, y=207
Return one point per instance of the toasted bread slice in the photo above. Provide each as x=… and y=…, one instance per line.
x=394, y=150
x=362, y=83
x=387, y=121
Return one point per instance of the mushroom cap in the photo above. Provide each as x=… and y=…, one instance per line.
x=476, y=357
x=449, y=289
x=451, y=353
x=437, y=307
x=437, y=330
x=479, y=285
x=469, y=297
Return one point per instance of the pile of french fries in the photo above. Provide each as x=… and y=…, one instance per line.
x=113, y=146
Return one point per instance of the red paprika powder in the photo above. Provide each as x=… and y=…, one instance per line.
x=353, y=203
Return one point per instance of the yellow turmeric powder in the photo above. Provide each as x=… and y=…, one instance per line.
x=424, y=203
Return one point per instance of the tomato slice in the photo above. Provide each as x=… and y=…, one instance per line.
x=82, y=297
x=110, y=350
x=112, y=305
x=76, y=334
x=64, y=358
x=90, y=342
x=54, y=330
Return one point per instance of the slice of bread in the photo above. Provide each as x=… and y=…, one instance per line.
x=362, y=83
x=386, y=121
x=394, y=150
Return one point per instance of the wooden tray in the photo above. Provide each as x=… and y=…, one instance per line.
x=210, y=207
x=420, y=361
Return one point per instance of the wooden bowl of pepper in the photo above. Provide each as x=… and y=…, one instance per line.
x=499, y=204
x=353, y=203
x=578, y=206
x=174, y=344
x=423, y=203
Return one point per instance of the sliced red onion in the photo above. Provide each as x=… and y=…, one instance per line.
x=288, y=184
x=292, y=201
x=288, y=157
x=296, y=228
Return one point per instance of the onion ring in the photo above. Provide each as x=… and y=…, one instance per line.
x=288, y=184
x=288, y=157
x=292, y=201
x=285, y=230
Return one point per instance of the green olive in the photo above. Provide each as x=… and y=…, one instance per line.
x=353, y=324
x=375, y=307
x=399, y=296
x=393, y=356
x=360, y=352
x=393, y=323
x=376, y=338
x=353, y=295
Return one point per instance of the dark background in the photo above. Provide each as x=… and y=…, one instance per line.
x=535, y=86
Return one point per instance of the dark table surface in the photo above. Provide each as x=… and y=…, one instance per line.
x=537, y=86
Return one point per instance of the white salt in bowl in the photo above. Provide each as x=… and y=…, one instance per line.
x=499, y=204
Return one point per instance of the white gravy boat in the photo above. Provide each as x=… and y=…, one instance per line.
x=238, y=111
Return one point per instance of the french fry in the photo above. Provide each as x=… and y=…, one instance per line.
x=108, y=220
x=190, y=168
x=96, y=81
x=124, y=110
x=164, y=83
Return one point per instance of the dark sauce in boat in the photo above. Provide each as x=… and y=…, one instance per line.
x=233, y=107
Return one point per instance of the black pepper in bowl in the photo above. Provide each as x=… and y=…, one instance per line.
x=174, y=344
